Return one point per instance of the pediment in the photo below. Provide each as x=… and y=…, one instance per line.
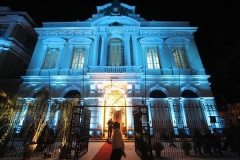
x=81, y=40
x=177, y=40
x=54, y=41
x=151, y=40
x=111, y=20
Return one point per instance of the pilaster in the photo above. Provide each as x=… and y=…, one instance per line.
x=135, y=54
x=171, y=57
x=69, y=57
x=96, y=51
x=103, y=51
x=59, y=57
x=42, y=56
x=127, y=57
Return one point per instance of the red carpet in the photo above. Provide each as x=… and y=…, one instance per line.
x=104, y=152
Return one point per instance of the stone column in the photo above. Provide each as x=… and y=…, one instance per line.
x=59, y=56
x=173, y=65
x=188, y=60
x=144, y=58
x=41, y=57
x=161, y=56
x=96, y=51
x=69, y=57
x=103, y=51
x=127, y=57
x=86, y=60
x=135, y=54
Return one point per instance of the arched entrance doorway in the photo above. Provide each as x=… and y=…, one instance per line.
x=115, y=107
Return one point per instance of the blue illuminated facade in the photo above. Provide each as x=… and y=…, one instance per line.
x=17, y=42
x=115, y=60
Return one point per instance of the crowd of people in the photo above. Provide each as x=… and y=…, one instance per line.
x=205, y=141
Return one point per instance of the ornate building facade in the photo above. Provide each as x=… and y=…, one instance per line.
x=116, y=60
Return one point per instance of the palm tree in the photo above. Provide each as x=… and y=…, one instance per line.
x=38, y=111
x=8, y=118
x=9, y=107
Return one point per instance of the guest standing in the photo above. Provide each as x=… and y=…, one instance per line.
x=110, y=126
x=117, y=143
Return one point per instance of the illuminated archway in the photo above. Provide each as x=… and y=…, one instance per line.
x=115, y=106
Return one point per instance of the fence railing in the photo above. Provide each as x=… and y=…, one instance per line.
x=15, y=150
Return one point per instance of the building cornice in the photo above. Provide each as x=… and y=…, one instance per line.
x=159, y=32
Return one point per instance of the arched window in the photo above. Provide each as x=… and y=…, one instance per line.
x=180, y=57
x=78, y=58
x=157, y=94
x=152, y=58
x=72, y=94
x=51, y=58
x=115, y=56
x=189, y=94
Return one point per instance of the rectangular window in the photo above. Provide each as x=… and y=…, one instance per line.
x=51, y=58
x=180, y=58
x=152, y=58
x=1, y=56
x=78, y=58
x=116, y=55
x=115, y=52
x=3, y=29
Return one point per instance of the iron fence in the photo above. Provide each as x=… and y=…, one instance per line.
x=161, y=123
x=219, y=133
x=16, y=150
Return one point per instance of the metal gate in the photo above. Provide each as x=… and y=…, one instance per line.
x=163, y=123
x=79, y=133
x=142, y=135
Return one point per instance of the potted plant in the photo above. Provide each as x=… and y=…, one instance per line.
x=186, y=146
x=158, y=147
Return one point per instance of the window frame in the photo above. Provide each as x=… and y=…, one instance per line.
x=79, y=57
x=115, y=52
x=152, y=58
x=51, y=58
x=180, y=57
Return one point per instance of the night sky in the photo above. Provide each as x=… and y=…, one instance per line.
x=217, y=38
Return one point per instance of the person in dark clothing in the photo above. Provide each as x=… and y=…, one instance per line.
x=171, y=135
x=217, y=142
x=110, y=126
x=207, y=138
x=197, y=141
x=228, y=141
x=117, y=143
